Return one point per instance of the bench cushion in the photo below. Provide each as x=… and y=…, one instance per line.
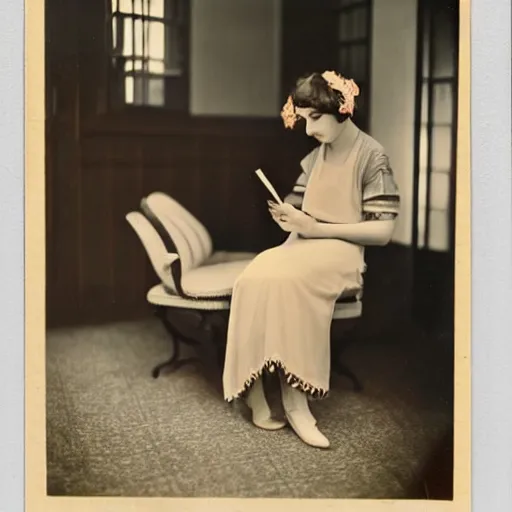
x=160, y=296
x=215, y=280
x=225, y=256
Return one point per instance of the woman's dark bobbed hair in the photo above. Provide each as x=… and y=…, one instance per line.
x=312, y=91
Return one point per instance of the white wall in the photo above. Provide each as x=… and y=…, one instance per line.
x=244, y=78
x=235, y=57
x=393, y=96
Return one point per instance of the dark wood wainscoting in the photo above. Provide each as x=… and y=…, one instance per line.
x=97, y=269
x=101, y=160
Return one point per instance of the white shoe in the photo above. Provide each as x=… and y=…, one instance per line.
x=261, y=414
x=307, y=430
x=298, y=414
x=267, y=423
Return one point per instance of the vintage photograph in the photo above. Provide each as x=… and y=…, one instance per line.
x=250, y=211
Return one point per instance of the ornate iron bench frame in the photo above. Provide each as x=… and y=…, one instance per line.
x=213, y=312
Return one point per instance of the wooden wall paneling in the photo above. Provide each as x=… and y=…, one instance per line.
x=211, y=187
x=206, y=165
x=104, y=162
x=92, y=50
x=251, y=230
x=97, y=238
x=167, y=162
x=129, y=261
x=145, y=172
x=63, y=277
x=63, y=177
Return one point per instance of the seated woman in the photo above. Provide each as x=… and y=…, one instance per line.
x=283, y=302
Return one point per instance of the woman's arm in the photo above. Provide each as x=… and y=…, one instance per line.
x=370, y=232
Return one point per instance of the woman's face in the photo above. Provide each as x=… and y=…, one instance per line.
x=323, y=127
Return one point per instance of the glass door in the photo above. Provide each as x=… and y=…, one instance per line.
x=435, y=162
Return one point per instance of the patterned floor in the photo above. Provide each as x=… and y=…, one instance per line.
x=114, y=431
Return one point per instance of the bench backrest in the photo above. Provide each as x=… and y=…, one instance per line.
x=192, y=240
x=154, y=246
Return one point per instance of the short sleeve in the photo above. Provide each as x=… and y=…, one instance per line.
x=381, y=198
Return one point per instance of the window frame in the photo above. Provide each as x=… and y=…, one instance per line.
x=361, y=117
x=426, y=65
x=173, y=84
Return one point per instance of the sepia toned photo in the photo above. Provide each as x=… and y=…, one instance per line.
x=253, y=225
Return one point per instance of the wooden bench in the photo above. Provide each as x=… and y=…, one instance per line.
x=195, y=277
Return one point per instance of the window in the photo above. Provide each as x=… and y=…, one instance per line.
x=437, y=127
x=149, y=61
x=354, y=57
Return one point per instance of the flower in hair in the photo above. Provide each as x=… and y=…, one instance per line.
x=348, y=88
x=288, y=113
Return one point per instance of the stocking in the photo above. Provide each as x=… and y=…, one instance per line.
x=261, y=414
x=299, y=416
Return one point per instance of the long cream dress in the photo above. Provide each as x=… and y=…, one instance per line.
x=283, y=302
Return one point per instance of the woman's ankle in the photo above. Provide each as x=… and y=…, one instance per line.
x=256, y=399
x=295, y=401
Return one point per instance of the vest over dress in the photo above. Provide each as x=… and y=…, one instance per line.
x=283, y=302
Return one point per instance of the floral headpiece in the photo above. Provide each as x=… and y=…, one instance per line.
x=348, y=89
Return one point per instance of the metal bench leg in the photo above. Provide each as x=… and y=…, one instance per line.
x=220, y=329
x=338, y=367
x=342, y=369
x=174, y=362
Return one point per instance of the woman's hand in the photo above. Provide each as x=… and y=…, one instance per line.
x=292, y=220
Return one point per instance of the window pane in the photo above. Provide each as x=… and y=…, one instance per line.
x=422, y=207
x=421, y=226
x=426, y=39
x=128, y=38
x=439, y=191
x=173, y=53
x=423, y=148
x=125, y=6
x=139, y=8
x=439, y=230
x=345, y=27
x=156, y=95
x=443, y=103
x=353, y=24
x=131, y=65
x=344, y=61
x=128, y=89
x=359, y=62
x=156, y=66
x=444, y=42
x=156, y=40
x=175, y=10
x=139, y=89
x=359, y=22
x=156, y=8
x=424, y=103
x=422, y=188
x=114, y=33
x=138, y=38
x=441, y=148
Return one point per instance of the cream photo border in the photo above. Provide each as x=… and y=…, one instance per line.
x=35, y=265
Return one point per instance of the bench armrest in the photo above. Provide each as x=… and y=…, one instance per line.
x=169, y=259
